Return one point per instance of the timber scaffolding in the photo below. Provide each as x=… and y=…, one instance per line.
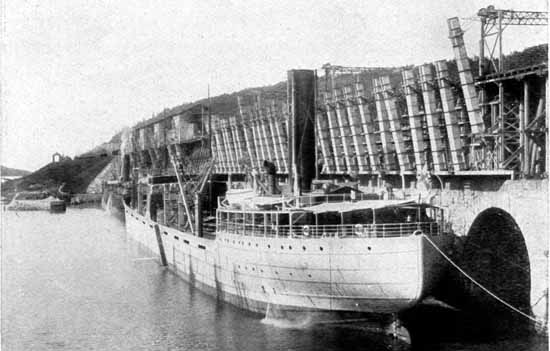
x=259, y=132
x=437, y=118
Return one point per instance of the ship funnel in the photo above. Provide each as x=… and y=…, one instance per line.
x=301, y=87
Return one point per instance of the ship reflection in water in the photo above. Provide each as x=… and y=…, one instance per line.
x=76, y=282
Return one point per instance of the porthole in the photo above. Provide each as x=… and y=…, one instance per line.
x=290, y=247
x=256, y=244
x=309, y=275
x=269, y=246
x=304, y=248
x=321, y=248
x=282, y=247
x=369, y=248
x=290, y=274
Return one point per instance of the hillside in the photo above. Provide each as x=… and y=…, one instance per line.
x=80, y=172
x=226, y=104
x=77, y=174
x=12, y=172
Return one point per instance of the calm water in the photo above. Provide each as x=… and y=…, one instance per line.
x=76, y=282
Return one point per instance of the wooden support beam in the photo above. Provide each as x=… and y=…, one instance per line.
x=285, y=130
x=257, y=136
x=323, y=138
x=394, y=118
x=367, y=123
x=227, y=147
x=334, y=132
x=466, y=78
x=222, y=157
x=281, y=136
x=248, y=136
x=432, y=118
x=415, y=118
x=274, y=137
x=260, y=152
x=266, y=137
x=242, y=143
x=354, y=120
x=238, y=142
x=500, y=120
x=456, y=148
x=384, y=128
x=264, y=128
x=524, y=120
x=235, y=144
x=345, y=133
x=218, y=137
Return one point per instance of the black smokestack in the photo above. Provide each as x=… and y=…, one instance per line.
x=301, y=127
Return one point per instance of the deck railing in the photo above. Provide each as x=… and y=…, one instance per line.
x=315, y=199
x=381, y=230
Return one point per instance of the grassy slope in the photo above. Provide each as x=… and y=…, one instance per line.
x=77, y=174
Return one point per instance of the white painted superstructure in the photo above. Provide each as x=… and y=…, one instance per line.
x=351, y=272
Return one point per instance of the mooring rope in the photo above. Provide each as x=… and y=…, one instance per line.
x=515, y=309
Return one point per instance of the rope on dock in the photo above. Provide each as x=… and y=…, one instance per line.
x=515, y=309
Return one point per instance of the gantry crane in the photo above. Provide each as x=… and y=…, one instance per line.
x=493, y=23
x=509, y=119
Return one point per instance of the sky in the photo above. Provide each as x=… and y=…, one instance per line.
x=74, y=72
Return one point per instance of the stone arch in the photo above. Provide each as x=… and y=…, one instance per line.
x=496, y=256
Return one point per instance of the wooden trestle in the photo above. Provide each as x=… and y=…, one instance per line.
x=426, y=122
x=258, y=133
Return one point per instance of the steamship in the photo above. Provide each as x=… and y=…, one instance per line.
x=258, y=243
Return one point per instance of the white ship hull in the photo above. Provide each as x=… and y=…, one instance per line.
x=374, y=275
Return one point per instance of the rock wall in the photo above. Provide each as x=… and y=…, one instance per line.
x=527, y=202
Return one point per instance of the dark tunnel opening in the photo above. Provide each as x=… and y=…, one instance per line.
x=495, y=255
